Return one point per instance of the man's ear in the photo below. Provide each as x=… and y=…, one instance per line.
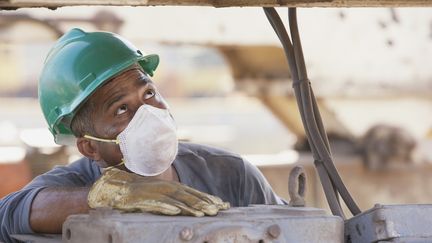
x=88, y=148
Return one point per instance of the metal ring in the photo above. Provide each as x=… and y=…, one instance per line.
x=297, y=187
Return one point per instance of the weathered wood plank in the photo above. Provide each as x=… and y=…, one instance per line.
x=218, y=3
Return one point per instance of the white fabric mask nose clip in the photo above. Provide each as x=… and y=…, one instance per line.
x=149, y=143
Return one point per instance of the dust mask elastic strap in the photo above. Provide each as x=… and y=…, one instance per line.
x=102, y=139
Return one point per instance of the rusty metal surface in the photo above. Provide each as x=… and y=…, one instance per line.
x=259, y=223
x=220, y=3
x=391, y=223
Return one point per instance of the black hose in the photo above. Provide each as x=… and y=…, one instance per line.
x=319, y=134
x=331, y=197
x=309, y=112
x=279, y=28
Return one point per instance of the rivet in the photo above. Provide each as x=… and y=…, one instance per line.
x=274, y=231
x=186, y=234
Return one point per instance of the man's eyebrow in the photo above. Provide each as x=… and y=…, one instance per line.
x=144, y=79
x=117, y=96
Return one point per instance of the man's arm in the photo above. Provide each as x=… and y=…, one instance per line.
x=256, y=188
x=33, y=206
x=44, y=204
x=52, y=206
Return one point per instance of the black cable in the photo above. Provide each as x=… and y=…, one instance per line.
x=279, y=28
x=321, y=141
x=298, y=50
x=319, y=121
x=309, y=112
x=331, y=196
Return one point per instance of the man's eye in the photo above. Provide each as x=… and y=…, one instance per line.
x=149, y=94
x=122, y=109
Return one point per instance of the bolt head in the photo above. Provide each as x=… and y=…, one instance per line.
x=186, y=234
x=274, y=231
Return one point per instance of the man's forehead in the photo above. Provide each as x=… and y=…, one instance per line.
x=134, y=71
x=132, y=74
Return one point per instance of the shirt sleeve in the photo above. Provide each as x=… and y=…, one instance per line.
x=15, y=207
x=256, y=188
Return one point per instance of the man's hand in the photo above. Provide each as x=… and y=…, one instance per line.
x=131, y=192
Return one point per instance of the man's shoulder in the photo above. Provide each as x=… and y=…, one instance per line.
x=82, y=167
x=193, y=149
x=82, y=172
x=202, y=159
x=211, y=170
x=81, y=164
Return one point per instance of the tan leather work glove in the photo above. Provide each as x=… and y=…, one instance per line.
x=131, y=192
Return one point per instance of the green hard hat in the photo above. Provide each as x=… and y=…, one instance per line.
x=78, y=64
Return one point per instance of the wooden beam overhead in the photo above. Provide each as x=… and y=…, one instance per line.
x=12, y=4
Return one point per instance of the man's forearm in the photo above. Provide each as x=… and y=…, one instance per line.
x=52, y=206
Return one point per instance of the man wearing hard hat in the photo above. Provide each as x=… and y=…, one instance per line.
x=95, y=92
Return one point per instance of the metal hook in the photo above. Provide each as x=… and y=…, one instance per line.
x=297, y=187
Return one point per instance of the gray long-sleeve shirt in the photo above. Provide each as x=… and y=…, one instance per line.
x=207, y=169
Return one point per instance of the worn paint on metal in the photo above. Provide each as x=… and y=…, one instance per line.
x=258, y=223
x=395, y=223
x=11, y=4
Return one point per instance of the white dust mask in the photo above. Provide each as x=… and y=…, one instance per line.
x=149, y=142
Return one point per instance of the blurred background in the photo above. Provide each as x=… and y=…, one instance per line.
x=226, y=79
